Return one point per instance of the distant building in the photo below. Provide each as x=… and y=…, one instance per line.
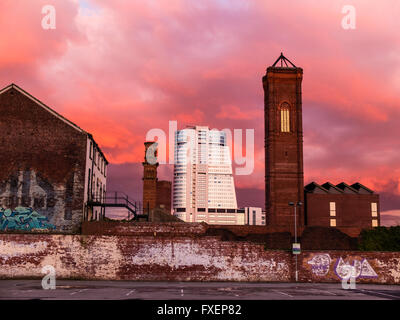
x=341, y=205
x=156, y=193
x=254, y=216
x=203, y=182
x=48, y=165
x=163, y=199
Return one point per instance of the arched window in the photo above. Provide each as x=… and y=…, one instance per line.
x=285, y=117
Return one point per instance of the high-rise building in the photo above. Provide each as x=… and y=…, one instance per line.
x=203, y=182
x=283, y=143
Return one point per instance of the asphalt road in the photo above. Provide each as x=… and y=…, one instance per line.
x=123, y=290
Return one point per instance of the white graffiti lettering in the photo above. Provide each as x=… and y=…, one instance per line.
x=320, y=264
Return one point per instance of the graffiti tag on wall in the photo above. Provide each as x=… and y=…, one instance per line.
x=27, y=189
x=320, y=266
x=22, y=218
x=362, y=269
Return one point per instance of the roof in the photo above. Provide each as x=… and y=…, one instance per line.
x=314, y=187
x=50, y=110
x=361, y=188
x=346, y=188
x=332, y=188
x=283, y=60
x=327, y=187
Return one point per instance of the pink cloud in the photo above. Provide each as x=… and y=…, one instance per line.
x=120, y=69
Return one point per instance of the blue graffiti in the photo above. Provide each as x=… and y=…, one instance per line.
x=22, y=218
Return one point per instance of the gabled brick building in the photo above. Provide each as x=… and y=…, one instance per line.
x=50, y=169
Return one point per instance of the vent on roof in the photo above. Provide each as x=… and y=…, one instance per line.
x=283, y=62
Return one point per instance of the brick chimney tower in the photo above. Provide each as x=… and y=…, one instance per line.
x=284, y=180
x=150, y=165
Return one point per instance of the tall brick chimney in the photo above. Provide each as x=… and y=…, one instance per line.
x=150, y=165
x=284, y=180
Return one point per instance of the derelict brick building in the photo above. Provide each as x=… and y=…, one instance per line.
x=340, y=206
x=49, y=167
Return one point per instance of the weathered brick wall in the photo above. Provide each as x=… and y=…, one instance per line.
x=140, y=258
x=332, y=266
x=143, y=228
x=170, y=228
x=42, y=164
x=154, y=258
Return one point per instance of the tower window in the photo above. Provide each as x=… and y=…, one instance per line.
x=285, y=118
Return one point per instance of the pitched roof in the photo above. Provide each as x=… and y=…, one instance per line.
x=50, y=110
x=331, y=188
x=283, y=60
x=314, y=187
x=346, y=188
x=361, y=188
x=37, y=101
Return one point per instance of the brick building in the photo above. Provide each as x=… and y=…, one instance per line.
x=163, y=199
x=341, y=205
x=156, y=193
x=50, y=169
x=327, y=205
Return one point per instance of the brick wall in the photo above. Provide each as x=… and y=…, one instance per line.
x=132, y=228
x=42, y=162
x=146, y=258
x=332, y=266
x=143, y=228
x=352, y=210
x=154, y=258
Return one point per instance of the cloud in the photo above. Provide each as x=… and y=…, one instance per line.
x=121, y=68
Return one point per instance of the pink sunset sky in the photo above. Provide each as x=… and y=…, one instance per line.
x=120, y=68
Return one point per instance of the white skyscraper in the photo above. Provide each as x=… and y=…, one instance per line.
x=203, y=182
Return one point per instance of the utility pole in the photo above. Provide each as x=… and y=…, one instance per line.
x=296, y=246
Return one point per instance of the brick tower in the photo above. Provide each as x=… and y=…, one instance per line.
x=150, y=165
x=283, y=143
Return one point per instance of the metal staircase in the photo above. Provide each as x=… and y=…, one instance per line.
x=118, y=200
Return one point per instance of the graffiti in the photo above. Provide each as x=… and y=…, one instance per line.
x=27, y=189
x=359, y=269
x=320, y=264
x=22, y=218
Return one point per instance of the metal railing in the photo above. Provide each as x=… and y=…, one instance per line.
x=117, y=199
